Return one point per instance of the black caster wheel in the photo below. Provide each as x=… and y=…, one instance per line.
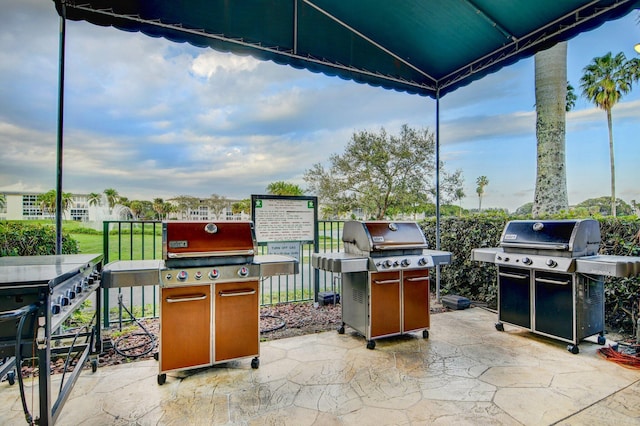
x=602, y=340
x=425, y=334
x=94, y=365
x=255, y=363
x=156, y=356
x=371, y=344
x=11, y=377
x=573, y=349
x=161, y=379
x=499, y=326
x=341, y=330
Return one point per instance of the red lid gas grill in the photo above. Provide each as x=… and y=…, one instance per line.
x=209, y=283
x=385, y=277
x=550, y=277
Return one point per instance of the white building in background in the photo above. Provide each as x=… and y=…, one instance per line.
x=25, y=206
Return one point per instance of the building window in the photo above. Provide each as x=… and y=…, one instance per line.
x=30, y=208
x=80, y=215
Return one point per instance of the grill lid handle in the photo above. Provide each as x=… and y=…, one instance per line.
x=210, y=254
x=536, y=246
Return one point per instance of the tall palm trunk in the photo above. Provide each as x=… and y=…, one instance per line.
x=551, y=88
x=613, y=167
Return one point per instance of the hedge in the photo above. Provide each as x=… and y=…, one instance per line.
x=26, y=239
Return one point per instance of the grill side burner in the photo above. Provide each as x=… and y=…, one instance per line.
x=385, y=278
x=551, y=279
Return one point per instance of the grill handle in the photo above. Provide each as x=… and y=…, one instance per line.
x=247, y=292
x=555, y=282
x=189, y=298
x=386, y=281
x=210, y=254
x=415, y=279
x=514, y=276
x=536, y=246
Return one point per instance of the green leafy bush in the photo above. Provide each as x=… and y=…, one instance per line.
x=477, y=281
x=25, y=239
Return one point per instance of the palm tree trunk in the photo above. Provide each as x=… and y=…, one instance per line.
x=613, y=167
x=551, y=87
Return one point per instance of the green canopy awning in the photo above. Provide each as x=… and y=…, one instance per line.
x=428, y=47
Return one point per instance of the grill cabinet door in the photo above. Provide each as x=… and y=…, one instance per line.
x=385, y=303
x=514, y=296
x=237, y=326
x=185, y=331
x=415, y=297
x=554, y=305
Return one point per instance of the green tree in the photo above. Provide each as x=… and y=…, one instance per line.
x=242, y=206
x=378, y=173
x=552, y=102
x=159, y=208
x=136, y=208
x=481, y=183
x=604, y=82
x=284, y=188
x=602, y=206
x=94, y=199
x=217, y=204
x=47, y=202
x=186, y=204
x=112, y=197
x=458, y=196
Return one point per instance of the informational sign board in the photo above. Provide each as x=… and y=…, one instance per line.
x=282, y=218
x=287, y=248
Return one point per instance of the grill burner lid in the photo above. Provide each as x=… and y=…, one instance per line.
x=397, y=238
x=197, y=243
x=566, y=238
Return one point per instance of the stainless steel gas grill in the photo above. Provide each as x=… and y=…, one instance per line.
x=551, y=278
x=37, y=295
x=385, y=278
x=209, y=284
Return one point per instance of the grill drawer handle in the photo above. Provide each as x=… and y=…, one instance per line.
x=237, y=293
x=515, y=276
x=386, y=281
x=412, y=280
x=189, y=298
x=556, y=282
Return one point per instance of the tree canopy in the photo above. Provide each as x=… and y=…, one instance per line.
x=380, y=174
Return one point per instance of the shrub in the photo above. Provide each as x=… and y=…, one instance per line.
x=25, y=239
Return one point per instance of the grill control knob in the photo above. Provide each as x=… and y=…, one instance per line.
x=63, y=301
x=197, y=275
x=422, y=261
x=243, y=272
x=386, y=264
x=527, y=261
x=71, y=294
x=551, y=263
x=182, y=275
x=213, y=274
x=405, y=262
x=55, y=308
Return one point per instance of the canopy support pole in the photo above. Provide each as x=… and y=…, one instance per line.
x=59, y=212
x=438, y=190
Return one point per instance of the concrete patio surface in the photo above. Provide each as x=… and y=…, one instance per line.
x=466, y=373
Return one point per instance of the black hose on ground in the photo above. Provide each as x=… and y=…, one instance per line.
x=282, y=324
x=152, y=341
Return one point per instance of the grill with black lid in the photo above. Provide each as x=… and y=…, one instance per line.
x=385, y=277
x=551, y=277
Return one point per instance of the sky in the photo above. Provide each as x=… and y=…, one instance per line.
x=156, y=119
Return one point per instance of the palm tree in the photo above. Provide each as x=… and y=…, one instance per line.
x=554, y=96
x=482, y=181
x=606, y=79
x=94, y=199
x=47, y=202
x=3, y=201
x=112, y=197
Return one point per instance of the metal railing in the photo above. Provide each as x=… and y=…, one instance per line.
x=142, y=240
